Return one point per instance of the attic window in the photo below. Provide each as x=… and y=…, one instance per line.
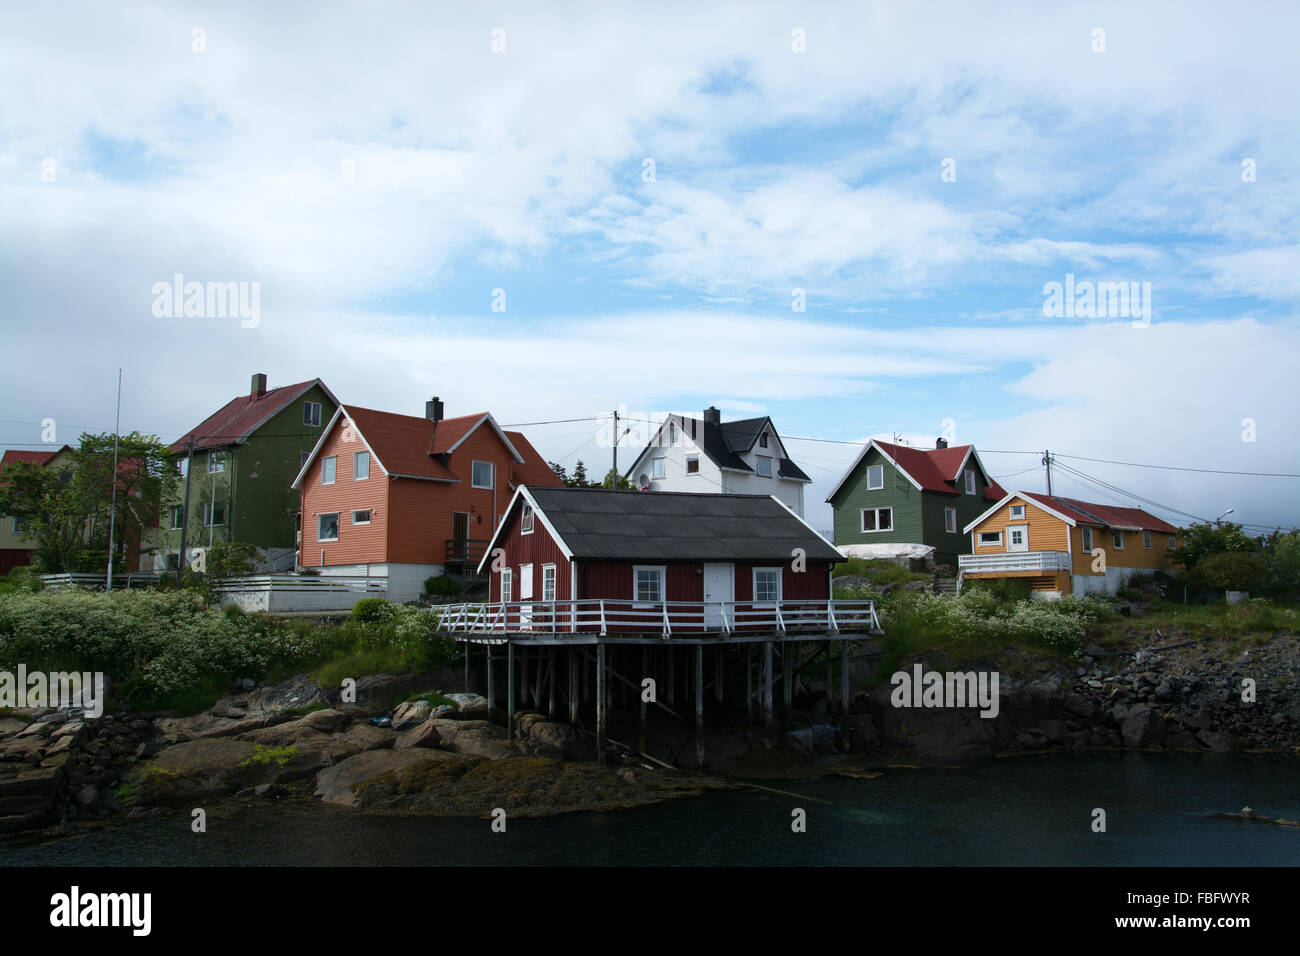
x=875, y=477
x=216, y=462
x=311, y=414
x=762, y=440
x=1017, y=511
x=672, y=433
x=765, y=466
x=526, y=522
x=481, y=476
x=970, y=481
x=1146, y=540
x=693, y=465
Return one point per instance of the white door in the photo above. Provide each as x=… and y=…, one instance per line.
x=719, y=590
x=1017, y=537
x=525, y=594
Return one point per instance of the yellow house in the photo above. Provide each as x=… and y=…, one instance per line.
x=1065, y=546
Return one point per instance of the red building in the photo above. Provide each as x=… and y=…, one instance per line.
x=407, y=498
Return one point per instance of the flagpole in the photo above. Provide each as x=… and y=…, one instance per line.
x=112, y=514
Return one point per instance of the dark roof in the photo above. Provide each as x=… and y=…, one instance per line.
x=724, y=442
x=236, y=420
x=663, y=526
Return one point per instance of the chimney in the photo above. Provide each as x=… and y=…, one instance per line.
x=941, y=443
x=259, y=385
x=433, y=409
x=712, y=416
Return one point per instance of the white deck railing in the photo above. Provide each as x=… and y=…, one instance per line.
x=1044, y=561
x=666, y=618
x=303, y=582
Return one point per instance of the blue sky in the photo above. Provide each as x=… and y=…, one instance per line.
x=380, y=172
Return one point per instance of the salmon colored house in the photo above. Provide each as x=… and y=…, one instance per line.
x=1064, y=546
x=408, y=498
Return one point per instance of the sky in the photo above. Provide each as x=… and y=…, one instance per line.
x=848, y=217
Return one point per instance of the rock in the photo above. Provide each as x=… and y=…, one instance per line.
x=11, y=725
x=208, y=725
x=1278, y=719
x=88, y=795
x=474, y=738
x=298, y=691
x=469, y=705
x=1092, y=650
x=410, y=713
x=1142, y=727
x=216, y=767
x=421, y=735
x=334, y=784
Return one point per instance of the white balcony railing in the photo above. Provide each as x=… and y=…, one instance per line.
x=1034, y=561
x=665, y=618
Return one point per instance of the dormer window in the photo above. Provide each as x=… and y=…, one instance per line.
x=762, y=440
x=764, y=466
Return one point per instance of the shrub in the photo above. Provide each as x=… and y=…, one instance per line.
x=373, y=611
x=441, y=585
x=1231, y=570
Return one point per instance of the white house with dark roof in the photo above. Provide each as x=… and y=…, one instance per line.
x=709, y=456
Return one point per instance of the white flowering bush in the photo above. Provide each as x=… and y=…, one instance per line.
x=978, y=616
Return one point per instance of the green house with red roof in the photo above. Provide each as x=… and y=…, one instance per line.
x=244, y=457
x=899, y=500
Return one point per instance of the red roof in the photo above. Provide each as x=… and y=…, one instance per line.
x=937, y=469
x=534, y=471
x=1106, y=516
x=35, y=457
x=240, y=417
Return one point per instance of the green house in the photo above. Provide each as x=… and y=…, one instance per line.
x=241, y=462
x=895, y=496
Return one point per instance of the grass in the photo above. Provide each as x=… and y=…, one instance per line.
x=434, y=700
x=359, y=663
x=878, y=571
x=268, y=755
x=1251, y=621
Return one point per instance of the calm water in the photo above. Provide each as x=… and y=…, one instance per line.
x=1029, y=811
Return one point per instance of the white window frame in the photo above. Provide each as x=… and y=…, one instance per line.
x=1173, y=542
x=526, y=519
x=216, y=462
x=876, y=512
x=1017, y=512
x=696, y=460
x=302, y=459
x=549, y=579
x=764, y=461
x=881, y=470
x=357, y=458
x=185, y=466
x=337, y=525
x=661, y=572
x=311, y=414
x=333, y=462
x=362, y=511
x=175, y=516
x=990, y=544
x=1086, y=537
x=210, y=513
x=657, y=468
x=950, y=520
x=970, y=481
x=507, y=585
x=1146, y=540
x=492, y=474
x=779, y=585
x=1117, y=539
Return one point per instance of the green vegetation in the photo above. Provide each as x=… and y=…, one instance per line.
x=434, y=700
x=270, y=755
x=878, y=571
x=167, y=650
x=1221, y=557
x=442, y=586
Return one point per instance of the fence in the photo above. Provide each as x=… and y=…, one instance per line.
x=298, y=594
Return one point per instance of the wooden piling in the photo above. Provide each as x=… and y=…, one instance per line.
x=491, y=686
x=669, y=695
x=510, y=690
x=844, y=691
x=600, y=703
x=767, y=692
x=550, y=671
x=645, y=670
x=830, y=683
x=749, y=683
x=699, y=705
x=467, y=645
x=573, y=686
x=718, y=678
x=785, y=676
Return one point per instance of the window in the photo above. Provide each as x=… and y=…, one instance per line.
x=1173, y=543
x=216, y=462
x=184, y=464
x=970, y=481
x=328, y=469
x=302, y=459
x=672, y=433
x=1017, y=512
x=875, y=477
x=506, y=580
x=657, y=468
x=765, y=466
x=767, y=584
x=693, y=464
x=1146, y=540
x=21, y=526
x=1117, y=539
x=989, y=538
x=548, y=582
x=213, y=517
x=481, y=474
x=361, y=517
x=950, y=520
x=361, y=466
x=311, y=414
x=174, y=521
x=762, y=440
x=648, y=585
x=526, y=520
x=1087, y=540
x=327, y=527
x=877, y=519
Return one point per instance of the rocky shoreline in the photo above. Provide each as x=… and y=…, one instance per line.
x=296, y=740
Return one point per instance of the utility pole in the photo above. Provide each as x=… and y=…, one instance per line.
x=112, y=510
x=615, y=477
x=185, y=509
x=1047, y=461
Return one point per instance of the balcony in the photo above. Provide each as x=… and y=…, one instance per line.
x=1027, y=562
x=465, y=551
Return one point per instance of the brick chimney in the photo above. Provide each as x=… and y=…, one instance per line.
x=941, y=443
x=712, y=416
x=258, y=388
x=433, y=409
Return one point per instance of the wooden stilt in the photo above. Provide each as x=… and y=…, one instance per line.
x=467, y=645
x=524, y=687
x=600, y=703
x=574, y=683
x=699, y=705
x=645, y=669
x=767, y=692
x=718, y=675
x=669, y=688
x=749, y=683
x=491, y=687
x=785, y=676
x=550, y=703
x=830, y=683
x=538, y=680
x=510, y=690
x=844, y=691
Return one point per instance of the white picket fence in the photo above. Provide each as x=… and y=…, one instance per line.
x=96, y=580
x=298, y=593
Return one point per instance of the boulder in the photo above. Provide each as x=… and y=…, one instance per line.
x=334, y=784
x=474, y=738
x=421, y=735
x=410, y=713
x=216, y=767
x=472, y=706
x=1142, y=727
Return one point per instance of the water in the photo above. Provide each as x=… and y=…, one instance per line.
x=1028, y=811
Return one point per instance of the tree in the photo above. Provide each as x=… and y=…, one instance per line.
x=1197, y=541
x=53, y=511
x=1282, y=554
x=560, y=472
x=580, y=476
x=615, y=482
